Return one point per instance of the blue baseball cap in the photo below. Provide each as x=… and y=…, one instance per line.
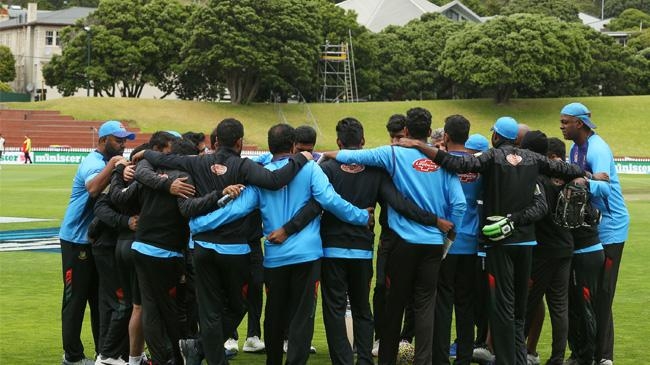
x=579, y=111
x=115, y=128
x=175, y=134
x=477, y=142
x=506, y=127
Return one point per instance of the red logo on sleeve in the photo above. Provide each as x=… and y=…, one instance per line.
x=218, y=169
x=425, y=165
x=353, y=168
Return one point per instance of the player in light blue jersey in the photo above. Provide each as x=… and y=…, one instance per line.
x=80, y=281
x=592, y=153
x=413, y=265
x=292, y=268
x=456, y=289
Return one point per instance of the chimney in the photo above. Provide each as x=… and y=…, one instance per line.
x=31, y=12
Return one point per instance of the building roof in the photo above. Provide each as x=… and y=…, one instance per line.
x=43, y=17
x=595, y=23
x=461, y=8
x=378, y=14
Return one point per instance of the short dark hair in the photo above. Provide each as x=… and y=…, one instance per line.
x=396, y=123
x=305, y=134
x=281, y=138
x=350, y=132
x=227, y=132
x=195, y=138
x=160, y=139
x=457, y=128
x=142, y=147
x=183, y=147
x=418, y=122
x=535, y=141
x=557, y=147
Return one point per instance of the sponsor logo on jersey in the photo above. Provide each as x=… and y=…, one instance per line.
x=425, y=165
x=353, y=168
x=513, y=159
x=469, y=177
x=218, y=169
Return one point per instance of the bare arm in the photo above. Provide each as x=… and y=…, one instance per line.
x=100, y=182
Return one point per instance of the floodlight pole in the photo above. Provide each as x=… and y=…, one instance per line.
x=88, y=39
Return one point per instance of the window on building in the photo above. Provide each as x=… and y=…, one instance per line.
x=51, y=38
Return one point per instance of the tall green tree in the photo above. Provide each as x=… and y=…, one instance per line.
x=243, y=44
x=7, y=65
x=566, y=10
x=614, y=8
x=518, y=52
x=131, y=44
x=630, y=19
x=410, y=58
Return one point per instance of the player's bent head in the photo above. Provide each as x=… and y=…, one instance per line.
x=556, y=147
x=457, y=128
x=396, y=123
x=281, y=138
x=535, y=141
x=183, y=147
x=349, y=132
x=228, y=132
x=142, y=147
x=305, y=134
x=418, y=123
x=161, y=140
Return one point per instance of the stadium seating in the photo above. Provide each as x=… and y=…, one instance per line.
x=49, y=127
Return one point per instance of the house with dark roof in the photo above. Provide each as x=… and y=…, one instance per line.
x=33, y=37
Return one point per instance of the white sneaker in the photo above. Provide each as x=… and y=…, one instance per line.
x=101, y=360
x=606, y=362
x=482, y=355
x=231, y=345
x=84, y=361
x=285, y=346
x=532, y=359
x=254, y=344
x=375, y=349
x=312, y=349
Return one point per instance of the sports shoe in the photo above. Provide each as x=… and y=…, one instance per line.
x=532, y=358
x=375, y=349
x=285, y=346
x=232, y=345
x=84, y=361
x=230, y=354
x=254, y=344
x=482, y=355
x=452, y=350
x=312, y=349
x=606, y=362
x=101, y=360
x=192, y=351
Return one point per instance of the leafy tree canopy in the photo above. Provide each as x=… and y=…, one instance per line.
x=630, y=19
x=521, y=51
x=562, y=9
x=7, y=65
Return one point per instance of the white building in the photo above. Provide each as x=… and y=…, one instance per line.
x=33, y=37
x=378, y=14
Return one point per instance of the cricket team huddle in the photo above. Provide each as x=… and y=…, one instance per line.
x=175, y=245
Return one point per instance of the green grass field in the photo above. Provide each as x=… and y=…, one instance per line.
x=620, y=120
x=30, y=282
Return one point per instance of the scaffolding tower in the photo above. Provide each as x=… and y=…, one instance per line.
x=338, y=73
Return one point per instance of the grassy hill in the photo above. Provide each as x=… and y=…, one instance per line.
x=622, y=121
